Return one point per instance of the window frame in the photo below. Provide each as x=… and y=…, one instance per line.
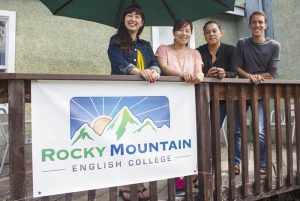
x=9, y=17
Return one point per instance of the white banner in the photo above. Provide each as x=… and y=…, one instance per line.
x=97, y=134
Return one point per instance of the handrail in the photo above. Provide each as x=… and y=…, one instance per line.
x=35, y=76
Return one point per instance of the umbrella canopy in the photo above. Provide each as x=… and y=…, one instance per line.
x=157, y=12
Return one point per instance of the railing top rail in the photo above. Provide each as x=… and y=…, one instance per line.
x=25, y=76
x=29, y=76
x=247, y=81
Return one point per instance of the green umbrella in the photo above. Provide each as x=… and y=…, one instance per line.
x=157, y=12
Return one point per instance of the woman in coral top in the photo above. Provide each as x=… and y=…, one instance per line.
x=178, y=59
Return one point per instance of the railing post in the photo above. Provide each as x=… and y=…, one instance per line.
x=204, y=142
x=230, y=131
x=91, y=195
x=289, y=151
x=113, y=194
x=171, y=189
x=69, y=196
x=16, y=125
x=266, y=99
x=255, y=131
x=244, y=140
x=153, y=191
x=279, y=178
x=216, y=144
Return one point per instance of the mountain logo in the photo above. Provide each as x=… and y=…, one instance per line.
x=91, y=117
x=83, y=134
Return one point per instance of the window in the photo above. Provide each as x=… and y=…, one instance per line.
x=7, y=40
x=164, y=36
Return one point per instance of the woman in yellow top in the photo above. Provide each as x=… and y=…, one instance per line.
x=128, y=53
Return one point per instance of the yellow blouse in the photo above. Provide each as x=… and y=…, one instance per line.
x=140, y=60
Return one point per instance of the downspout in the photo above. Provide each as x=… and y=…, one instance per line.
x=263, y=5
x=267, y=8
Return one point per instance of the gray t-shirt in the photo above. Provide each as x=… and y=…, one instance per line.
x=258, y=57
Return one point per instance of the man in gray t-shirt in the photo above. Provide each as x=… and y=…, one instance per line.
x=258, y=59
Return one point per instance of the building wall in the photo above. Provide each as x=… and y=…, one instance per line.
x=286, y=23
x=53, y=44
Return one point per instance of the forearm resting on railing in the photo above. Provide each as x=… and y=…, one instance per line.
x=255, y=78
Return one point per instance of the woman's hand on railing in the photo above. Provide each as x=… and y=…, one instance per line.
x=150, y=75
x=221, y=73
x=212, y=72
x=192, y=78
x=216, y=72
x=188, y=77
x=198, y=78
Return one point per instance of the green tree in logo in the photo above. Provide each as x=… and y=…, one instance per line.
x=83, y=134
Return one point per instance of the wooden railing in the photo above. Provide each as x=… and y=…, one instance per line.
x=275, y=94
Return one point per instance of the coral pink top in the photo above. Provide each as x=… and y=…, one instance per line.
x=187, y=63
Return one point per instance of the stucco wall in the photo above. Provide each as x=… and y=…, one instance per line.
x=54, y=44
x=286, y=22
x=240, y=3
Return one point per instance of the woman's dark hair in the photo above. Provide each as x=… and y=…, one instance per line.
x=182, y=23
x=211, y=22
x=123, y=39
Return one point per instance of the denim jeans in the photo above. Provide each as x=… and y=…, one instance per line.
x=261, y=128
x=222, y=112
x=222, y=107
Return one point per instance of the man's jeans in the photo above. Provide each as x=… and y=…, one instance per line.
x=222, y=112
x=237, y=133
